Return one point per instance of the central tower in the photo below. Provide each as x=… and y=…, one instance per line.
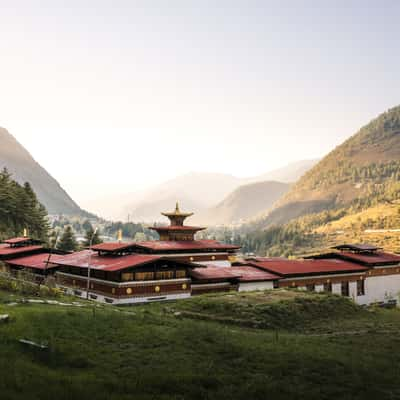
x=176, y=231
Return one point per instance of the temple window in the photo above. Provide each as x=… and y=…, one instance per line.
x=180, y=274
x=144, y=276
x=327, y=287
x=360, y=288
x=310, y=287
x=164, y=274
x=345, y=288
x=127, y=276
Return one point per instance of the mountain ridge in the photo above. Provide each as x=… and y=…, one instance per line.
x=201, y=190
x=24, y=168
x=245, y=202
x=352, y=195
x=349, y=172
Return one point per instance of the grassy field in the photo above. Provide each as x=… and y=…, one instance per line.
x=261, y=345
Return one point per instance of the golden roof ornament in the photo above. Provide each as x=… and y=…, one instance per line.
x=176, y=217
x=177, y=231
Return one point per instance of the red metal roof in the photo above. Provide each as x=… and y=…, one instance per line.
x=6, y=250
x=214, y=273
x=376, y=258
x=160, y=245
x=177, y=228
x=252, y=274
x=16, y=240
x=37, y=261
x=259, y=259
x=287, y=268
x=242, y=274
x=113, y=246
x=357, y=247
x=111, y=263
x=105, y=263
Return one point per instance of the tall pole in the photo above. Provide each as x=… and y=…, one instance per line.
x=50, y=253
x=89, y=262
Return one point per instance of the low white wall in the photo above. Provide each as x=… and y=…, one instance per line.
x=220, y=263
x=380, y=288
x=128, y=300
x=250, y=286
x=353, y=290
x=319, y=288
x=336, y=288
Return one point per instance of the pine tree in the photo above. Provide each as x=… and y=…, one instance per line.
x=89, y=234
x=67, y=241
x=20, y=209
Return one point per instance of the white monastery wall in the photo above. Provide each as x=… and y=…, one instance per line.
x=129, y=300
x=219, y=263
x=336, y=288
x=319, y=288
x=249, y=286
x=380, y=288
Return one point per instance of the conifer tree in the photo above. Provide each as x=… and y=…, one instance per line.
x=88, y=237
x=20, y=209
x=67, y=241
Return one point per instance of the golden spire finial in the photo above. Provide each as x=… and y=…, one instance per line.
x=25, y=232
x=177, y=208
x=119, y=237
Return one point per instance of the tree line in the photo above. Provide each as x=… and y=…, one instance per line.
x=20, y=210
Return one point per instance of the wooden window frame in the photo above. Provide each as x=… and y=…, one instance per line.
x=345, y=288
x=361, y=287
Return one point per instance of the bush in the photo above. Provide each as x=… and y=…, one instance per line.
x=26, y=287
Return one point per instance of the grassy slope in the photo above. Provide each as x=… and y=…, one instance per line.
x=158, y=352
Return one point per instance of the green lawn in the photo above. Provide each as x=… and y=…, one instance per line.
x=217, y=346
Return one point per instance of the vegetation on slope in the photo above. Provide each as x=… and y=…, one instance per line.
x=151, y=352
x=20, y=209
x=366, y=166
x=353, y=190
x=24, y=168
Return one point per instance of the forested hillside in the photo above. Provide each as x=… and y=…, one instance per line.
x=20, y=209
x=24, y=168
x=351, y=195
x=364, y=170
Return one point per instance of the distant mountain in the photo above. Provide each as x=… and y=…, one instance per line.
x=24, y=168
x=149, y=211
x=196, y=191
x=364, y=169
x=289, y=174
x=245, y=202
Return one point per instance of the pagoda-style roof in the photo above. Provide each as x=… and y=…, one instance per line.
x=359, y=247
x=177, y=228
x=176, y=231
x=176, y=213
x=21, y=241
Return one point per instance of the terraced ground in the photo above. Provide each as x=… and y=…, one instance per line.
x=263, y=345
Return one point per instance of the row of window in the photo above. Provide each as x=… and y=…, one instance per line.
x=150, y=276
x=344, y=288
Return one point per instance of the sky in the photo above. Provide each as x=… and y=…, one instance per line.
x=115, y=96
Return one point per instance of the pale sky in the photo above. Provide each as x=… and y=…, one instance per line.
x=112, y=96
